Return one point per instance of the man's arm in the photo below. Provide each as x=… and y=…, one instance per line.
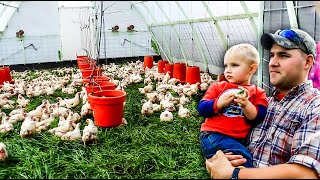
x=220, y=167
x=282, y=171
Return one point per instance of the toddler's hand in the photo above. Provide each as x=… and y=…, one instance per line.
x=224, y=100
x=242, y=97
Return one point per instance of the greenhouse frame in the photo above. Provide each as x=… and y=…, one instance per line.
x=44, y=43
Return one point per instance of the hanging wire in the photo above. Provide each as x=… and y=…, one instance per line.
x=192, y=33
x=104, y=40
x=81, y=17
x=87, y=26
x=94, y=64
x=204, y=40
x=170, y=37
x=100, y=31
x=179, y=35
x=162, y=27
x=91, y=31
x=228, y=34
x=88, y=32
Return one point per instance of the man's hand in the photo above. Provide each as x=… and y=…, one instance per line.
x=219, y=167
x=235, y=160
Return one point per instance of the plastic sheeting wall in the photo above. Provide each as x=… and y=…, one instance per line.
x=41, y=40
x=76, y=31
x=187, y=31
x=121, y=43
x=240, y=31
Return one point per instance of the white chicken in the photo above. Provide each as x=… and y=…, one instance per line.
x=153, y=96
x=147, y=80
x=74, y=117
x=73, y=135
x=195, y=88
x=124, y=122
x=173, y=81
x=3, y=152
x=62, y=102
x=44, y=124
x=86, y=109
x=147, y=107
x=61, y=130
x=16, y=111
x=73, y=102
x=142, y=91
x=157, y=107
x=5, y=126
x=148, y=88
x=45, y=114
x=183, y=112
x=62, y=112
x=89, y=132
x=166, y=104
x=28, y=127
x=17, y=117
x=49, y=90
x=36, y=112
x=184, y=100
x=5, y=95
x=166, y=116
x=204, y=86
x=166, y=77
x=84, y=98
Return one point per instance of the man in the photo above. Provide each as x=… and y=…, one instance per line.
x=287, y=143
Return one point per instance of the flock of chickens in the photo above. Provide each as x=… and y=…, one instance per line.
x=69, y=80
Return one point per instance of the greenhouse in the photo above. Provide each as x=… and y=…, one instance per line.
x=159, y=89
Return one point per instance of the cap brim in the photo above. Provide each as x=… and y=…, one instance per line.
x=268, y=39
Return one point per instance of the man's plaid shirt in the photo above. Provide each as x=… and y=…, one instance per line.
x=290, y=132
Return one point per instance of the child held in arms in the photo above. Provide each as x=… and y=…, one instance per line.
x=234, y=106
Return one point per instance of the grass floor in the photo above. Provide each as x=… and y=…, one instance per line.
x=144, y=148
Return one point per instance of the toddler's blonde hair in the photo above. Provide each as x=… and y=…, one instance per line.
x=247, y=50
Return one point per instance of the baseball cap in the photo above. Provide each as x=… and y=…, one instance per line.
x=290, y=39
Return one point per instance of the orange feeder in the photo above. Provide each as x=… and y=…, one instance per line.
x=99, y=86
x=2, y=76
x=7, y=75
x=193, y=75
x=107, y=107
x=87, y=72
x=96, y=79
x=168, y=68
x=82, y=59
x=148, y=62
x=85, y=65
x=179, y=71
x=161, y=65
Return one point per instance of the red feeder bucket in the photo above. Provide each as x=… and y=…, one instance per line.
x=221, y=77
x=96, y=79
x=85, y=65
x=7, y=75
x=161, y=65
x=179, y=71
x=87, y=72
x=168, y=68
x=148, y=62
x=107, y=106
x=193, y=75
x=2, y=76
x=82, y=59
x=99, y=86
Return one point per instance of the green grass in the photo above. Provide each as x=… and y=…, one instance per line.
x=144, y=148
